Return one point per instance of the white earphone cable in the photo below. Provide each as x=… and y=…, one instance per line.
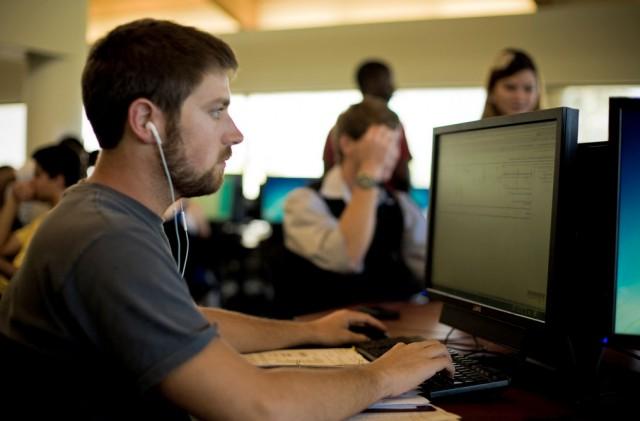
x=186, y=232
x=181, y=267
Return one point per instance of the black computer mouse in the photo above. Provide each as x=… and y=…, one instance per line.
x=370, y=331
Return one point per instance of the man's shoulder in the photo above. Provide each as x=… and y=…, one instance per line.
x=300, y=195
x=85, y=217
x=97, y=203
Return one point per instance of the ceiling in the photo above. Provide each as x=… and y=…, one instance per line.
x=226, y=16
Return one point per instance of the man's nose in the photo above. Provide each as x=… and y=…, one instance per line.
x=234, y=135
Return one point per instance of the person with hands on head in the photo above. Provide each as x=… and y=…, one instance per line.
x=7, y=177
x=349, y=238
x=98, y=324
x=14, y=193
x=10, y=243
x=375, y=79
x=373, y=159
x=56, y=168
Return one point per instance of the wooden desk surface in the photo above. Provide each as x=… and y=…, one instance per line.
x=511, y=404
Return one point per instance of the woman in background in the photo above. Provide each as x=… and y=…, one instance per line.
x=7, y=176
x=514, y=85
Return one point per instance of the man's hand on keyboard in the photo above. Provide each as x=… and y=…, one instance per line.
x=405, y=366
x=333, y=329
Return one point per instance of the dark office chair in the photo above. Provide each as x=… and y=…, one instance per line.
x=31, y=387
x=34, y=386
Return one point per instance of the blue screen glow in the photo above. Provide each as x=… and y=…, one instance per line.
x=627, y=313
x=274, y=193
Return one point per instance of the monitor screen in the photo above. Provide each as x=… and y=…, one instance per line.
x=274, y=193
x=221, y=206
x=494, y=220
x=624, y=135
x=421, y=197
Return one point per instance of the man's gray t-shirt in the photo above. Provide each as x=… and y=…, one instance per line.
x=100, y=294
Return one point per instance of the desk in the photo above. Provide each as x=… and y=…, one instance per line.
x=513, y=403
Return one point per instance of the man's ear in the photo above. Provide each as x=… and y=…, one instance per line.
x=141, y=111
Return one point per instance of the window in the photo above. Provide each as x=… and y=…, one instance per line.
x=423, y=109
x=593, y=103
x=285, y=133
x=13, y=136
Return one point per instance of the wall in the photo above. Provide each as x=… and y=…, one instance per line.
x=574, y=44
x=13, y=68
x=46, y=39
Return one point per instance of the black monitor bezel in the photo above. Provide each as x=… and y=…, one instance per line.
x=616, y=106
x=561, y=229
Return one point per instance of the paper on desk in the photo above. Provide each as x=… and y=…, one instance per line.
x=409, y=406
x=437, y=415
x=332, y=357
x=320, y=357
x=407, y=400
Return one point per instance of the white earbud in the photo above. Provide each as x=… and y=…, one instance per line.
x=154, y=132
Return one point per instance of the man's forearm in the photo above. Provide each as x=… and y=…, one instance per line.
x=328, y=394
x=357, y=224
x=209, y=384
x=250, y=334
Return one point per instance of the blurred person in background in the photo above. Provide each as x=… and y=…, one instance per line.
x=56, y=168
x=350, y=238
x=7, y=176
x=514, y=85
x=375, y=79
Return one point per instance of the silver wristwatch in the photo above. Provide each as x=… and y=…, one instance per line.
x=365, y=181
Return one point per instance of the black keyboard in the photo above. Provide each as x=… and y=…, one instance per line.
x=470, y=374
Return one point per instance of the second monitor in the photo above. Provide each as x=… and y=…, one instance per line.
x=273, y=194
x=227, y=203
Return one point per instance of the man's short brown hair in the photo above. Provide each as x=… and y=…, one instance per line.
x=158, y=60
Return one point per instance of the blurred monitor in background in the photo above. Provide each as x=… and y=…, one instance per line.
x=273, y=194
x=226, y=204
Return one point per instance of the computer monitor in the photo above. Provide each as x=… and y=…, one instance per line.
x=273, y=194
x=624, y=138
x=223, y=205
x=500, y=223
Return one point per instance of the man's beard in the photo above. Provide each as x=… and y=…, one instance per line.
x=186, y=182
